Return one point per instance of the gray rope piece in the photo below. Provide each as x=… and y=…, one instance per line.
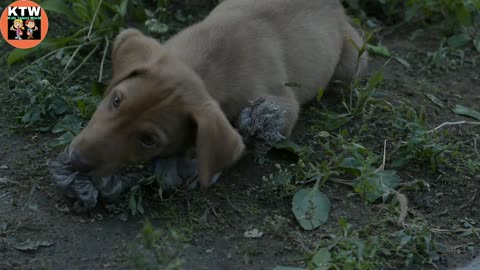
x=87, y=191
x=260, y=124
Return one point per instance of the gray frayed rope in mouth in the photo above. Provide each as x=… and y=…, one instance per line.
x=259, y=124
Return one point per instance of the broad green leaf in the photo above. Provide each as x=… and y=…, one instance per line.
x=332, y=121
x=61, y=7
x=33, y=114
x=64, y=139
x=59, y=105
x=123, y=8
x=462, y=110
x=57, y=6
x=70, y=123
x=311, y=208
x=352, y=165
x=323, y=134
x=375, y=80
x=288, y=145
x=379, y=50
x=374, y=186
x=435, y=100
x=322, y=259
x=17, y=55
x=459, y=40
x=360, y=148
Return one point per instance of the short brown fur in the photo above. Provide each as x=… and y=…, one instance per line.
x=185, y=93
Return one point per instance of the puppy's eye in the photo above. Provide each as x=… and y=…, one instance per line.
x=147, y=140
x=116, y=101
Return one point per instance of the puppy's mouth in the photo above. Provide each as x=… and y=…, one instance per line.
x=104, y=170
x=88, y=165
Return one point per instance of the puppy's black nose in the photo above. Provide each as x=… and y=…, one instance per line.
x=79, y=163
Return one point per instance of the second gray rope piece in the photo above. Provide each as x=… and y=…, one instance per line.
x=261, y=125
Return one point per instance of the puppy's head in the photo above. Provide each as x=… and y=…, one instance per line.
x=155, y=106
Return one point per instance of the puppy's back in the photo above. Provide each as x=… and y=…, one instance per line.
x=246, y=48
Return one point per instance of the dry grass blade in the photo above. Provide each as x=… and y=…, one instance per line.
x=105, y=50
x=81, y=64
x=93, y=19
x=403, y=203
x=73, y=56
x=454, y=124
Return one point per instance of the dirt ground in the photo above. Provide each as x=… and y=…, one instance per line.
x=208, y=227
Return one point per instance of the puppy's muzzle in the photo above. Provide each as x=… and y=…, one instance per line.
x=80, y=163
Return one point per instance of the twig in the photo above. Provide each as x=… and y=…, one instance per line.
x=103, y=59
x=93, y=19
x=470, y=201
x=73, y=56
x=453, y=124
x=50, y=54
x=233, y=206
x=441, y=213
x=475, y=147
x=211, y=208
x=81, y=64
x=382, y=167
x=437, y=230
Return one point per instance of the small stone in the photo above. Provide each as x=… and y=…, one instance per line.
x=4, y=167
x=123, y=217
x=476, y=178
x=255, y=233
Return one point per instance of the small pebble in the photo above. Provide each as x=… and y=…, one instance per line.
x=255, y=233
x=123, y=217
x=4, y=167
x=477, y=178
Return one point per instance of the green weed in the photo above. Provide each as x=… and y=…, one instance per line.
x=157, y=249
x=374, y=247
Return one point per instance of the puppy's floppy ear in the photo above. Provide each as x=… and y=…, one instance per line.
x=123, y=37
x=218, y=145
x=131, y=52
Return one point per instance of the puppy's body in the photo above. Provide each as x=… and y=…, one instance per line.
x=165, y=99
x=248, y=49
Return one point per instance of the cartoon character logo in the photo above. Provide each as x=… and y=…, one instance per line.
x=24, y=24
x=30, y=28
x=18, y=27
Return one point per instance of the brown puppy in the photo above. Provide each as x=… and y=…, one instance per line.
x=166, y=99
